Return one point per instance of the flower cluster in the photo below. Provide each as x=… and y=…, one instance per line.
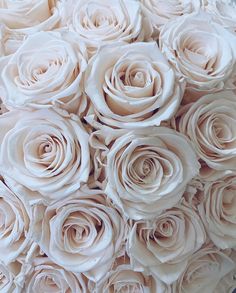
x=117, y=146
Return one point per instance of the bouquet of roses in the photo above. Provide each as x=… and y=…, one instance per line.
x=118, y=146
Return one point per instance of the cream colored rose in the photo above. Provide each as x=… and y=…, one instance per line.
x=201, y=50
x=7, y=278
x=223, y=12
x=132, y=86
x=47, y=70
x=205, y=269
x=147, y=171
x=209, y=125
x=218, y=211
x=29, y=14
x=45, y=276
x=162, y=246
x=44, y=152
x=102, y=21
x=158, y=12
x=123, y=279
x=82, y=234
x=15, y=229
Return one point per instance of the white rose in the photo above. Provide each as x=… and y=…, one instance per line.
x=218, y=211
x=82, y=234
x=102, y=21
x=122, y=278
x=162, y=246
x=208, y=123
x=158, y=12
x=201, y=50
x=205, y=268
x=45, y=276
x=47, y=70
x=223, y=12
x=44, y=152
x=29, y=15
x=147, y=171
x=132, y=86
x=15, y=229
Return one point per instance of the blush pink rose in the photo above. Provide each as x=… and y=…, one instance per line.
x=83, y=233
x=163, y=246
x=147, y=171
x=47, y=70
x=201, y=50
x=44, y=152
x=208, y=124
x=102, y=22
x=132, y=86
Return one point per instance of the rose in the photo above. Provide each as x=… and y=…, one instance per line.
x=15, y=230
x=201, y=50
x=205, y=268
x=147, y=171
x=218, y=211
x=44, y=152
x=46, y=70
x=223, y=12
x=162, y=246
x=132, y=85
x=208, y=123
x=103, y=21
x=8, y=274
x=82, y=234
x=123, y=279
x=45, y=276
x=157, y=13
x=29, y=15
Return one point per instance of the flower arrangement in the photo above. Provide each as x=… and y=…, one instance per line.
x=118, y=146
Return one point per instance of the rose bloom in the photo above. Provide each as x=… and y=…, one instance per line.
x=29, y=15
x=45, y=276
x=44, y=152
x=7, y=277
x=201, y=50
x=209, y=125
x=223, y=12
x=15, y=229
x=218, y=211
x=47, y=70
x=162, y=246
x=102, y=21
x=156, y=13
x=204, y=270
x=83, y=233
x=132, y=86
x=122, y=278
x=147, y=171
